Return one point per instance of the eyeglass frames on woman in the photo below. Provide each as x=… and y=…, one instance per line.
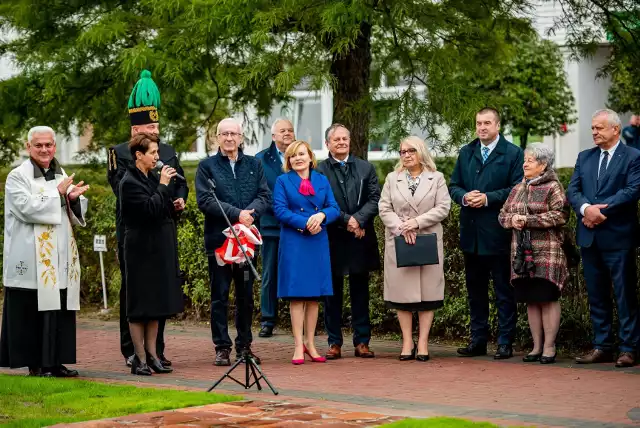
x=406, y=152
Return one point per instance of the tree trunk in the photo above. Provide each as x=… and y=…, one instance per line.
x=351, y=99
x=523, y=139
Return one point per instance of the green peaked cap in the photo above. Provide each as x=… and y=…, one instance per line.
x=145, y=93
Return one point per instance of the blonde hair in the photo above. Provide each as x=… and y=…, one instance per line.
x=424, y=157
x=292, y=149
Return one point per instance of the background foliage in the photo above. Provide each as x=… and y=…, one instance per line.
x=451, y=322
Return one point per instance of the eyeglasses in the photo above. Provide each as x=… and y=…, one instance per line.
x=229, y=134
x=411, y=151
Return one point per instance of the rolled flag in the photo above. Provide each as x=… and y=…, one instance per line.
x=230, y=251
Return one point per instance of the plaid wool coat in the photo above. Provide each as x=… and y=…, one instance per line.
x=547, y=211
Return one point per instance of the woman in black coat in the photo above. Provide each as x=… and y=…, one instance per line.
x=150, y=251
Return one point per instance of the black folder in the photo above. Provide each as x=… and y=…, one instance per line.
x=423, y=252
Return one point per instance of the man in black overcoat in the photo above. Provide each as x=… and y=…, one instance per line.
x=485, y=172
x=352, y=240
x=144, y=116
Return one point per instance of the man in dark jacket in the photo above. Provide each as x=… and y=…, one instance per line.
x=272, y=159
x=631, y=133
x=242, y=190
x=352, y=240
x=484, y=174
x=144, y=118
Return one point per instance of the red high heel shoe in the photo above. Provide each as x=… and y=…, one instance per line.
x=314, y=359
x=297, y=362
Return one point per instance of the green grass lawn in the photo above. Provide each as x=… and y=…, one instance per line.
x=36, y=402
x=439, y=423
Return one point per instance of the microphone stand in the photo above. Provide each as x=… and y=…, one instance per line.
x=251, y=367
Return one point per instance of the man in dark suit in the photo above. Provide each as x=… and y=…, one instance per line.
x=486, y=170
x=604, y=192
x=272, y=158
x=352, y=240
x=144, y=118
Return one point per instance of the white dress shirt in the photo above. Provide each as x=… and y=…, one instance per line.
x=611, y=152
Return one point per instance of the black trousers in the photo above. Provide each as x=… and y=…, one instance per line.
x=126, y=344
x=220, y=278
x=359, y=292
x=478, y=270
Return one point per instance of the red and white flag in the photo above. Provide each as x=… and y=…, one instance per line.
x=230, y=251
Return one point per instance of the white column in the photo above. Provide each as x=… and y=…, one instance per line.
x=326, y=116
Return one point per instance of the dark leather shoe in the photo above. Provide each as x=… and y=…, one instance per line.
x=266, y=331
x=62, y=371
x=473, y=350
x=595, y=356
x=334, y=352
x=156, y=365
x=503, y=352
x=626, y=359
x=129, y=361
x=548, y=360
x=363, y=351
x=411, y=356
x=531, y=358
x=250, y=353
x=164, y=361
x=422, y=357
x=222, y=357
x=139, y=368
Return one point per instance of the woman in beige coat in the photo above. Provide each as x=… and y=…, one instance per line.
x=414, y=201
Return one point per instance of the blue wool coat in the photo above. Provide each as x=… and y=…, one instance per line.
x=304, y=265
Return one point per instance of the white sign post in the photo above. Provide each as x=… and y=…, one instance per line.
x=100, y=245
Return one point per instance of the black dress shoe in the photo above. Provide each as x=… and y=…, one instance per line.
x=266, y=331
x=548, y=360
x=503, y=352
x=473, y=350
x=129, y=361
x=164, y=361
x=250, y=353
x=423, y=357
x=411, y=356
x=62, y=371
x=531, y=358
x=157, y=366
x=222, y=357
x=139, y=368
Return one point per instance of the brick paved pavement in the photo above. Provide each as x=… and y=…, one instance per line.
x=481, y=389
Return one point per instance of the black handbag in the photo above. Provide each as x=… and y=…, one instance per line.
x=523, y=260
x=423, y=252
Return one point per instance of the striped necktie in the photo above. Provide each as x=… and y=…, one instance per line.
x=485, y=154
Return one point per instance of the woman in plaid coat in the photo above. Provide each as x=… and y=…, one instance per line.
x=538, y=207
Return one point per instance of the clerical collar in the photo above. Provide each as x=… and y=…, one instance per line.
x=39, y=171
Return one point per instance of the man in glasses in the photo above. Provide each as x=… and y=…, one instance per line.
x=486, y=170
x=352, y=240
x=241, y=187
x=144, y=116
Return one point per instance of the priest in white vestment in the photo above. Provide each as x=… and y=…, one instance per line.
x=41, y=266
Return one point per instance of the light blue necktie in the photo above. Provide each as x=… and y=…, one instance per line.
x=485, y=154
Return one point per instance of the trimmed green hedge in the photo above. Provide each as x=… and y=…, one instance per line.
x=451, y=322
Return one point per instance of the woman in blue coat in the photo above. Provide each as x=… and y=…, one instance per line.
x=304, y=204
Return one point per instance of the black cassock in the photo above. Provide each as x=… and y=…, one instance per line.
x=150, y=248
x=32, y=338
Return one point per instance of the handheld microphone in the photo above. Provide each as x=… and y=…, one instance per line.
x=159, y=165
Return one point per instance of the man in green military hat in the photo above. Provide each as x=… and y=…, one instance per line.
x=144, y=102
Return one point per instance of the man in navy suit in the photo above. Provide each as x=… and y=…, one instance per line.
x=604, y=191
x=272, y=158
x=485, y=172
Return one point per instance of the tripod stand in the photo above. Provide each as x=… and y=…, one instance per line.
x=251, y=367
